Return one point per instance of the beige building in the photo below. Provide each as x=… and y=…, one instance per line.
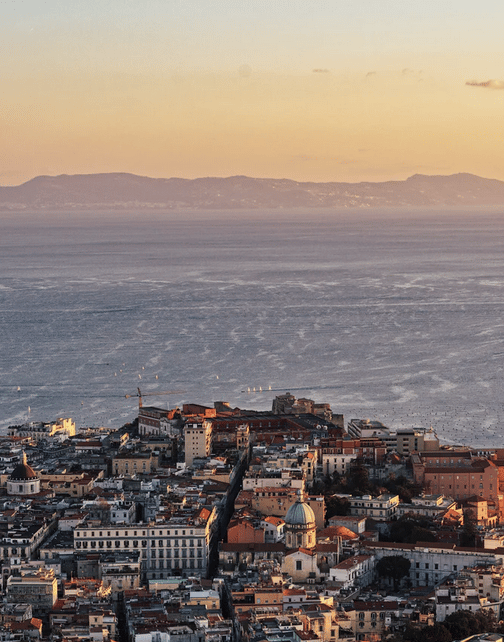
x=301, y=565
x=37, y=587
x=198, y=441
x=373, y=618
x=120, y=572
x=132, y=463
x=272, y=500
x=416, y=439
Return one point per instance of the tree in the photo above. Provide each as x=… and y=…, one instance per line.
x=358, y=480
x=469, y=530
x=410, y=529
x=435, y=633
x=337, y=506
x=462, y=624
x=394, y=567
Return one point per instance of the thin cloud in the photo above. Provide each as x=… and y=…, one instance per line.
x=488, y=84
x=370, y=73
x=321, y=71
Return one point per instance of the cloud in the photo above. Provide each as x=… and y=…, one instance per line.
x=489, y=84
x=370, y=73
x=321, y=71
x=333, y=159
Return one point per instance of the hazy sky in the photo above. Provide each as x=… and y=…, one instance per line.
x=321, y=90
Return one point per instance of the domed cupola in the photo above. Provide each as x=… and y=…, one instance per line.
x=300, y=528
x=23, y=480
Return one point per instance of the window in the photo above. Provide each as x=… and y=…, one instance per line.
x=299, y=565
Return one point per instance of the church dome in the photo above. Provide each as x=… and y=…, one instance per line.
x=300, y=514
x=23, y=480
x=22, y=471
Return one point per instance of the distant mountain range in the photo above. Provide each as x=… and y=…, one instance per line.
x=127, y=191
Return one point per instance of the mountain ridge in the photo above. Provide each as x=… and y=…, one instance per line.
x=122, y=190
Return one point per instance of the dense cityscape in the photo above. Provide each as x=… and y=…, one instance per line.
x=219, y=524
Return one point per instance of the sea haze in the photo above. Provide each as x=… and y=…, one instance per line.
x=388, y=314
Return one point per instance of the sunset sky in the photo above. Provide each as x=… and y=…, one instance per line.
x=319, y=90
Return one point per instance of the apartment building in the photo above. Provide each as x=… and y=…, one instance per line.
x=181, y=544
x=381, y=508
x=416, y=439
x=127, y=464
x=198, y=441
x=158, y=421
x=38, y=587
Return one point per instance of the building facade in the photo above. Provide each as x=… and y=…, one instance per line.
x=179, y=545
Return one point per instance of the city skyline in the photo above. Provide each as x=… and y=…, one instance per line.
x=312, y=91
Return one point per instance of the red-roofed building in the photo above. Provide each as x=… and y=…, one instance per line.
x=459, y=475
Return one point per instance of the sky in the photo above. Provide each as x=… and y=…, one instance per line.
x=312, y=90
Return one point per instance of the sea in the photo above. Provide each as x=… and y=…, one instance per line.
x=391, y=315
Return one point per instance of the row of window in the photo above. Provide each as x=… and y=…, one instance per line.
x=176, y=552
x=177, y=564
x=135, y=533
x=161, y=543
x=374, y=615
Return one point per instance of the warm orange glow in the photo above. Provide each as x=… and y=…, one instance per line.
x=86, y=97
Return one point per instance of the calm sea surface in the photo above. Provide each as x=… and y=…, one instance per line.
x=388, y=315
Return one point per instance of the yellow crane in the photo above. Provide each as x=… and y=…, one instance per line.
x=141, y=394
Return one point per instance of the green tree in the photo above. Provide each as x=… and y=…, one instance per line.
x=337, y=506
x=435, y=633
x=394, y=567
x=462, y=624
x=469, y=531
x=410, y=529
x=358, y=480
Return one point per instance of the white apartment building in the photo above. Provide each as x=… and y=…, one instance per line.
x=180, y=544
x=428, y=506
x=458, y=595
x=381, y=508
x=337, y=462
x=354, y=571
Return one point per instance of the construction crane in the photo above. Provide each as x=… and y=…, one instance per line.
x=141, y=394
